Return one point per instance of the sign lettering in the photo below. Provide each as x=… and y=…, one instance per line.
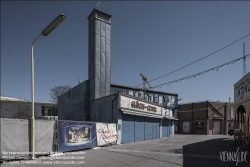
x=136, y=104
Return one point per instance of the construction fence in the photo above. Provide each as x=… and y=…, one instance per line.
x=52, y=136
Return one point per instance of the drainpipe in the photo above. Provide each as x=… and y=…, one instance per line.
x=192, y=123
x=207, y=121
x=112, y=106
x=225, y=119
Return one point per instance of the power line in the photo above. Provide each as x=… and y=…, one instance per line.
x=198, y=59
x=201, y=73
x=244, y=61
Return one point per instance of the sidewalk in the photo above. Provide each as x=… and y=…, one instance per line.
x=241, y=145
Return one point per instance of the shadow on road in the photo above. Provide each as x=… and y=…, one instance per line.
x=213, y=153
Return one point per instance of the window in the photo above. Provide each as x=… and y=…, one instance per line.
x=156, y=98
x=160, y=99
x=150, y=97
x=102, y=17
x=231, y=113
x=142, y=95
x=130, y=92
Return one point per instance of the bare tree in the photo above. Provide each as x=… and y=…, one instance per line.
x=22, y=110
x=57, y=91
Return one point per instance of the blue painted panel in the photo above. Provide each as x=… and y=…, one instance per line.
x=139, y=128
x=128, y=128
x=149, y=124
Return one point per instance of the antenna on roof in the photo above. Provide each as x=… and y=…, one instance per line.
x=244, y=61
x=145, y=80
x=97, y=5
x=100, y=5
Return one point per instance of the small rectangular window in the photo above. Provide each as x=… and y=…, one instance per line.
x=160, y=100
x=231, y=113
x=156, y=98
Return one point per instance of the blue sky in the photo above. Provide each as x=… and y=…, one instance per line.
x=153, y=38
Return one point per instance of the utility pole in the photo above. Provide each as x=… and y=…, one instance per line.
x=244, y=61
x=145, y=80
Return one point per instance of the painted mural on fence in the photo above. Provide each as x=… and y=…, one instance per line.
x=242, y=90
x=105, y=133
x=73, y=135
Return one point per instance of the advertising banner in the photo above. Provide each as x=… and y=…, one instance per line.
x=105, y=133
x=73, y=135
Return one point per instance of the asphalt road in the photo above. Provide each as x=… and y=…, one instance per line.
x=177, y=151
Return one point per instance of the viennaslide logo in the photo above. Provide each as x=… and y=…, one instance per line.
x=231, y=156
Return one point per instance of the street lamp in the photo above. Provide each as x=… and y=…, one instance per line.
x=45, y=32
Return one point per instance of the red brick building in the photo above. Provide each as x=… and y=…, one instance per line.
x=205, y=117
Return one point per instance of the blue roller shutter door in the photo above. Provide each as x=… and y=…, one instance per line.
x=171, y=133
x=139, y=128
x=149, y=128
x=128, y=128
x=156, y=128
x=165, y=129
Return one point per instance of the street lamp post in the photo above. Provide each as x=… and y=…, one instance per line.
x=45, y=32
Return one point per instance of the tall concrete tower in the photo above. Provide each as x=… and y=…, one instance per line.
x=99, y=54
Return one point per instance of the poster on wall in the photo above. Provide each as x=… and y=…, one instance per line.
x=105, y=133
x=74, y=135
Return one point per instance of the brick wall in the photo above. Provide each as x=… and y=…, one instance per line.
x=198, y=112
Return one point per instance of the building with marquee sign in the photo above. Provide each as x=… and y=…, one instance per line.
x=140, y=114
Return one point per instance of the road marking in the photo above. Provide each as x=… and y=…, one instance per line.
x=175, y=144
x=163, y=153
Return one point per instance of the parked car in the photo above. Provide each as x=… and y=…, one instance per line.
x=230, y=132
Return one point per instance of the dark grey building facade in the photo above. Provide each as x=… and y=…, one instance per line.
x=99, y=100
